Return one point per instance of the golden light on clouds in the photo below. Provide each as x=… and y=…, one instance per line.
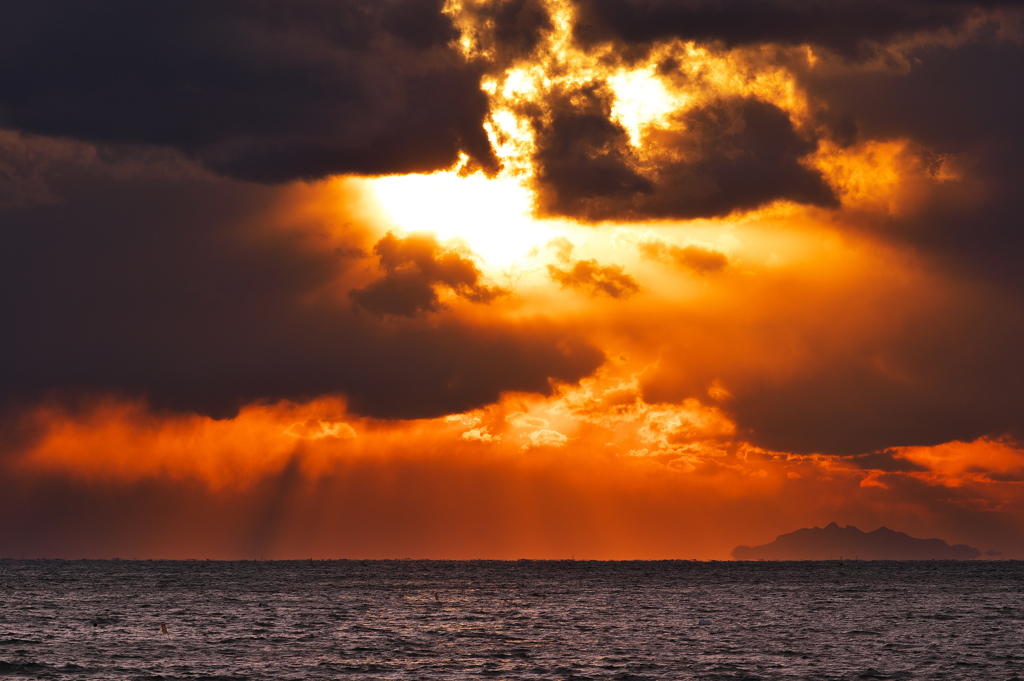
x=689, y=312
x=542, y=277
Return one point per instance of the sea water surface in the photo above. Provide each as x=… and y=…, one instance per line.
x=511, y=620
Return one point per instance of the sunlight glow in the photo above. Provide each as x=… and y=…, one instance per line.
x=642, y=100
x=512, y=140
x=492, y=215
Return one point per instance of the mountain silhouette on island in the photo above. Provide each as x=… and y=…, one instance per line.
x=834, y=542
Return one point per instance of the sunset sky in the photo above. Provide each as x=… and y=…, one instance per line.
x=508, y=278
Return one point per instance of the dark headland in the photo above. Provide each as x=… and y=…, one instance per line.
x=834, y=542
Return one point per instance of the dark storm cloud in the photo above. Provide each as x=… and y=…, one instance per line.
x=728, y=155
x=182, y=290
x=508, y=30
x=257, y=89
x=594, y=278
x=415, y=268
x=961, y=106
x=847, y=27
x=583, y=164
x=736, y=154
x=961, y=388
x=952, y=373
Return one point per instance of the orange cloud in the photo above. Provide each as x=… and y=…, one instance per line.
x=985, y=460
x=592, y=472
x=416, y=267
x=126, y=442
x=592, y=277
x=699, y=259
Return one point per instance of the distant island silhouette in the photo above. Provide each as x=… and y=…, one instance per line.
x=834, y=542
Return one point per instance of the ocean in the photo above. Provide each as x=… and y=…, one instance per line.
x=627, y=621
